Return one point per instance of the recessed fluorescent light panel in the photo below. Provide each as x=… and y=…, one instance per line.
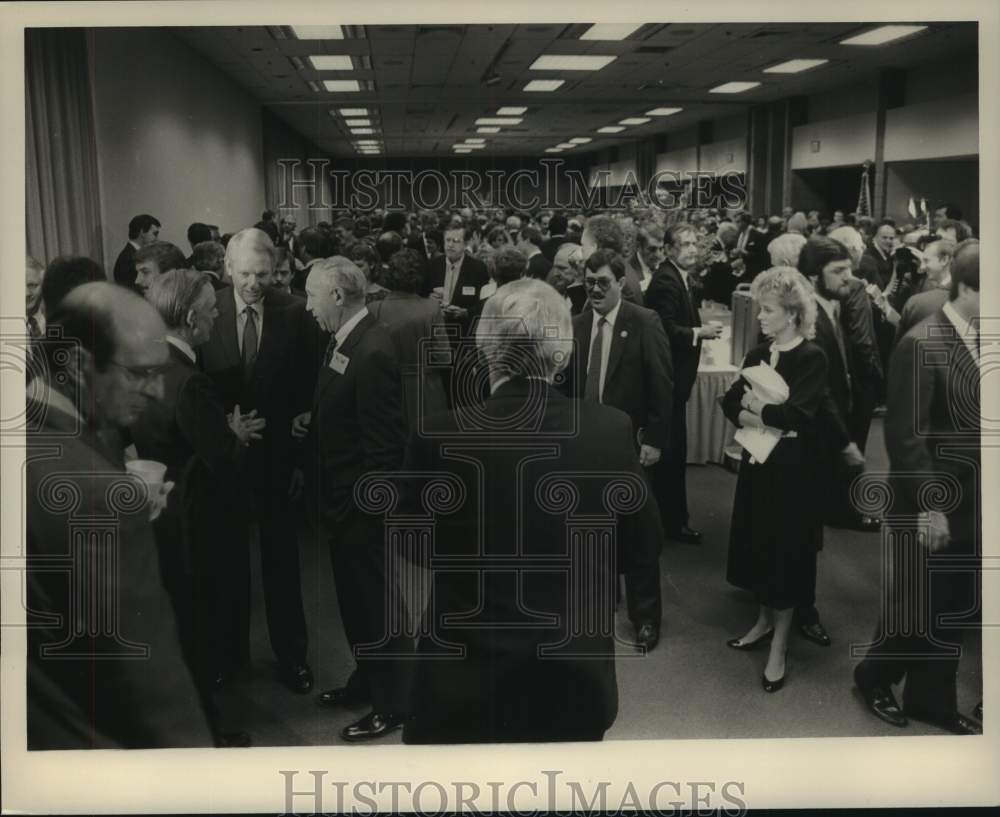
x=487, y=130
x=634, y=120
x=663, y=111
x=511, y=111
x=467, y=146
x=565, y=145
x=580, y=140
x=570, y=62
x=494, y=120
x=553, y=150
x=329, y=62
x=544, y=85
x=611, y=129
x=882, y=35
x=733, y=87
x=318, y=32
x=472, y=141
x=794, y=66
x=362, y=131
x=341, y=85
x=358, y=123
x=610, y=31
x=463, y=150
x=353, y=111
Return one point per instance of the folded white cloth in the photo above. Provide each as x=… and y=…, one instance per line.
x=769, y=387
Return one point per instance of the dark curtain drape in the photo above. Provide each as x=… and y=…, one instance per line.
x=283, y=143
x=61, y=184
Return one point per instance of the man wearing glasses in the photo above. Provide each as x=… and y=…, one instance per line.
x=105, y=668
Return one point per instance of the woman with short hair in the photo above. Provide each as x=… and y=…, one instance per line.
x=777, y=516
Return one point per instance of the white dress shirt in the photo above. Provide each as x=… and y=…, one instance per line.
x=966, y=331
x=451, y=273
x=346, y=329
x=609, y=333
x=185, y=347
x=647, y=273
x=241, y=319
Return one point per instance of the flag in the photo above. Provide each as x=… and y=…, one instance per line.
x=911, y=208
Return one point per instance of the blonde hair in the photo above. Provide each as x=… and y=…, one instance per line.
x=794, y=293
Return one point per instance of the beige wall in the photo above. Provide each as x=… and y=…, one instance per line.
x=176, y=138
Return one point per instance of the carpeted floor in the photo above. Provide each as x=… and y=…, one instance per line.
x=690, y=686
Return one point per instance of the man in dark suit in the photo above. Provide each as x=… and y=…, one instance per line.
x=104, y=662
x=142, y=230
x=355, y=427
x=557, y=236
x=531, y=245
x=751, y=247
x=876, y=263
x=645, y=260
x=519, y=643
x=669, y=295
x=189, y=433
x=936, y=267
x=456, y=279
x=932, y=430
x=622, y=359
x=263, y=356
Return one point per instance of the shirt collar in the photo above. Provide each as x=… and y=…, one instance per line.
x=611, y=317
x=788, y=346
x=456, y=264
x=135, y=244
x=345, y=330
x=184, y=346
x=646, y=271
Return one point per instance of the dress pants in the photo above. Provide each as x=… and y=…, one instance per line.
x=926, y=655
x=671, y=473
x=639, y=561
x=369, y=599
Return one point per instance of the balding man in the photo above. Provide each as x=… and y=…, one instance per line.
x=356, y=426
x=262, y=355
x=105, y=668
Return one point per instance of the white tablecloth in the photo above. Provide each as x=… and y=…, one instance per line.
x=708, y=431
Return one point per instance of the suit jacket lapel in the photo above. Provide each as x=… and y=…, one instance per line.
x=227, y=329
x=619, y=335
x=676, y=273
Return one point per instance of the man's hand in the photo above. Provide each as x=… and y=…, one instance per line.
x=938, y=532
x=648, y=455
x=300, y=425
x=296, y=485
x=455, y=311
x=852, y=455
x=246, y=426
x=710, y=331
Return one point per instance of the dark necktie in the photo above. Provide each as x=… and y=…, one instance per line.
x=249, y=342
x=592, y=391
x=331, y=347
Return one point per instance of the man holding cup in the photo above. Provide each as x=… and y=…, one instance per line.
x=86, y=518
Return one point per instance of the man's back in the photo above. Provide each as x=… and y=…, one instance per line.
x=530, y=667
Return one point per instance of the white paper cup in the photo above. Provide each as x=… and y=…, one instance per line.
x=150, y=472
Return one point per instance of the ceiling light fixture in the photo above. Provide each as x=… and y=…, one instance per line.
x=611, y=129
x=474, y=141
x=467, y=146
x=565, y=145
x=733, y=87
x=353, y=111
x=794, y=66
x=318, y=32
x=496, y=120
x=342, y=85
x=883, y=35
x=511, y=111
x=329, y=62
x=610, y=31
x=635, y=120
x=553, y=150
x=463, y=150
x=570, y=62
x=362, y=131
x=487, y=130
x=358, y=123
x=580, y=140
x=663, y=111
x=544, y=85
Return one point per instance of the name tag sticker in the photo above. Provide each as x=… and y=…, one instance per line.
x=339, y=362
x=468, y=290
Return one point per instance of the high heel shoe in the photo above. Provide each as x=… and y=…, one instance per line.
x=739, y=644
x=774, y=686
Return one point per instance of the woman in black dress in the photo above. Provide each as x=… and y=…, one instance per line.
x=777, y=523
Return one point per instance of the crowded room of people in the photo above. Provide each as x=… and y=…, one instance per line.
x=501, y=383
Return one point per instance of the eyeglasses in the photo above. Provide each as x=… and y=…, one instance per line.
x=140, y=373
x=603, y=284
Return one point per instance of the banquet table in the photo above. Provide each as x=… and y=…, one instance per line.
x=709, y=432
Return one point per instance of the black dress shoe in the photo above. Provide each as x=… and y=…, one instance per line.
x=297, y=677
x=684, y=534
x=957, y=724
x=816, y=633
x=739, y=644
x=648, y=636
x=371, y=726
x=977, y=712
x=882, y=703
x=233, y=740
x=341, y=696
